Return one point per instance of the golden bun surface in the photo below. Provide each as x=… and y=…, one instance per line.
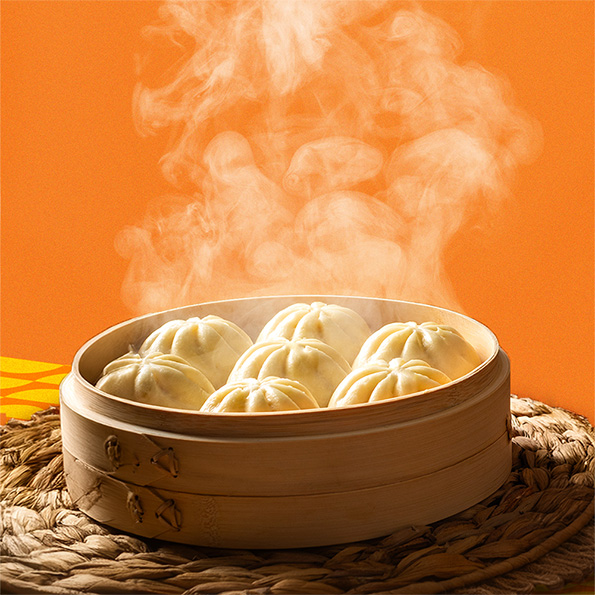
x=380, y=380
x=316, y=365
x=340, y=327
x=441, y=346
x=260, y=396
x=211, y=344
x=156, y=379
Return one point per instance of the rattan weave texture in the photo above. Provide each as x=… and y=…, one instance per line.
x=536, y=530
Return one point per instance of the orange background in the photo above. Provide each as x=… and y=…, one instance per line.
x=74, y=173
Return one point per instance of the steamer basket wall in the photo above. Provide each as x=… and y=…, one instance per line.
x=287, y=479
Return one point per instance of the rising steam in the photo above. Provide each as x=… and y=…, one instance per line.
x=320, y=147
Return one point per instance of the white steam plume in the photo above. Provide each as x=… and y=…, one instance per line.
x=321, y=146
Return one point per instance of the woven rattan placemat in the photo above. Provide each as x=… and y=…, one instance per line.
x=535, y=531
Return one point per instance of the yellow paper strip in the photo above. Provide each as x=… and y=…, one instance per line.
x=19, y=411
x=6, y=382
x=54, y=379
x=11, y=365
x=43, y=395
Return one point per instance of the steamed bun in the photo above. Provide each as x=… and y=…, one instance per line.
x=337, y=326
x=156, y=379
x=211, y=344
x=313, y=363
x=252, y=396
x=441, y=346
x=380, y=380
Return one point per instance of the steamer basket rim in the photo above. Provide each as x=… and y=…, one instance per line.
x=305, y=413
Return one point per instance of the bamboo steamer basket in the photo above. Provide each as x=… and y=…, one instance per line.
x=285, y=479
